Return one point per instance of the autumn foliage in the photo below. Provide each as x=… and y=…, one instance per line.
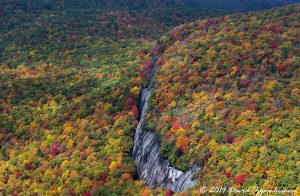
x=227, y=99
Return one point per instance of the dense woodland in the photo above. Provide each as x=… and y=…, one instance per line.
x=227, y=99
x=229, y=5
x=70, y=81
x=69, y=93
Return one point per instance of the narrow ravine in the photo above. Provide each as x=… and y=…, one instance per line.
x=151, y=167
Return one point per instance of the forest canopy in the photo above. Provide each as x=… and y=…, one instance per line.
x=226, y=93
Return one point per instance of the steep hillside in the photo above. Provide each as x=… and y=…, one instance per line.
x=71, y=74
x=227, y=99
x=69, y=88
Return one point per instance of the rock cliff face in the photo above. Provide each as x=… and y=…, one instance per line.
x=152, y=168
x=224, y=89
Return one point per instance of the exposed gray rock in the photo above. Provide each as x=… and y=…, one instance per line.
x=151, y=168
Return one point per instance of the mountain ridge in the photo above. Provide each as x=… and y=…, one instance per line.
x=225, y=98
x=219, y=89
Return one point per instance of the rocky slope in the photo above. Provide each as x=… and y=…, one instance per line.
x=223, y=98
x=226, y=98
